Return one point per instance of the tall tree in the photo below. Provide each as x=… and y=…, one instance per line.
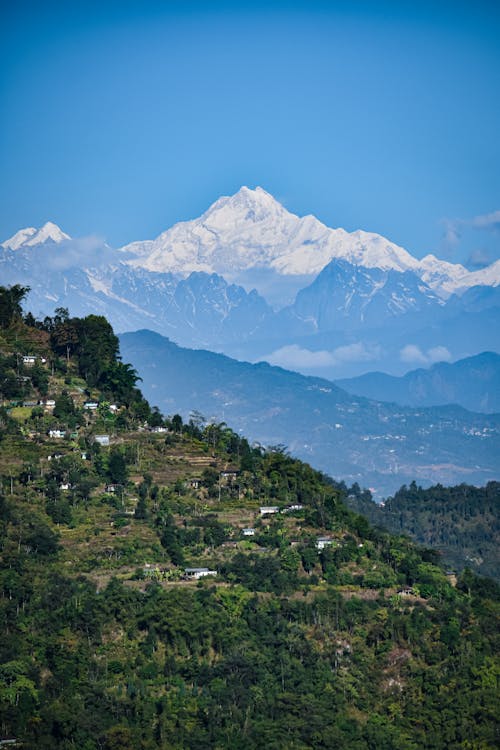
x=11, y=298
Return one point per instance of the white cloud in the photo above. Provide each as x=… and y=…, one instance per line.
x=297, y=358
x=84, y=251
x=413, y=354
x=357, y=352
x=438, y=354
x=294, y=357
x=490, y=221
x=479, y=258
x=451, y=234
x=453, y=229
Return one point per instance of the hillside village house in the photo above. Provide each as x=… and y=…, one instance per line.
x=196, y=573
x=102, y=439
x=248, y=532
x=323, y=542
x=57, y=433
x=268, y=510
x=29, y=360
x=229, y=476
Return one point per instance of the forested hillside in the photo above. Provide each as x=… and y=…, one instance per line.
x=461, y=522
x=167, y=585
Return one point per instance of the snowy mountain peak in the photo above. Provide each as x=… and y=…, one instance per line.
x=252, y=230
x=246, y=205
x=30, y=236
x=19, y=238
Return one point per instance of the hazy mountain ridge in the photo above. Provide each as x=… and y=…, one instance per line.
x=473, y=383
x=353, y=438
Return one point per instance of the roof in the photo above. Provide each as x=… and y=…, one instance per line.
x=196, y=570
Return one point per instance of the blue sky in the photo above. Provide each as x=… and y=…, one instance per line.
x=120, y=118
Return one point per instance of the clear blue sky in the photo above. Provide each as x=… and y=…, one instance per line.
x=120, y=118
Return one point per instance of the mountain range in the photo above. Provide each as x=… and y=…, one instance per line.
x=376, y=444
x=474, y=383
x=252, y=280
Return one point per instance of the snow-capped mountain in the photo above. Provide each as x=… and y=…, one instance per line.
x=211, y=282
x=30, y=237
x=251, y=230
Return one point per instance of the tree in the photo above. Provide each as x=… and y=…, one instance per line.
x=98, y=348
x=10, y=303
x=141, y=510
x=64, y=337
x=117, y=467
x=176, y=422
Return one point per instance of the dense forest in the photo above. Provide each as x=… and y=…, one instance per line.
x=167, y=585
x=462, y=522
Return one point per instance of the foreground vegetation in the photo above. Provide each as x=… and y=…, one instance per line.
x=315, y=630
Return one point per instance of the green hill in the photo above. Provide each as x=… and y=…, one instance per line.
x=310, y=628
x=462, y=522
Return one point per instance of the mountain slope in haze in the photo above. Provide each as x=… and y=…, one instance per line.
x=344, y=296
x=352, y=438
x=473, y=383
x=200, y=310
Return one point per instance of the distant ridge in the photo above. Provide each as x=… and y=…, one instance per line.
x=473, y=382
x=376, y=444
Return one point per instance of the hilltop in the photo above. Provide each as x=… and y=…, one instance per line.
x=165, y=584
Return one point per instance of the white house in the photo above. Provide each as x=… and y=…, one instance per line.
x=57, y=433
x=29, y=360
x=229, y=476
x=196, y=573
x=248, y=532
x=323, y=542
x=408, y=591
x=90, y=405
x=268, y=510
x=102, y=439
